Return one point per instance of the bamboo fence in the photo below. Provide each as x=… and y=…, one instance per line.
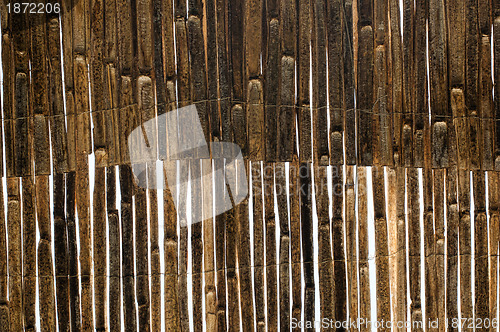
x=370, y=137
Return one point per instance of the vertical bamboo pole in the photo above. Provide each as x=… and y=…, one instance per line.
x=493, y=242
x=4, y=271
x=196, y=244
x=351, y=242
x=327, y=284
x=414, y=253
x=154, y=249
x=433, y=220
x=14, y=254
x=296, y=297
x=408, y=74
x=337, y=235
x=363, y=270
x=303, y=79
x=349, y=83
x=212, y=70
x=439, y=242
x=220, y=236
x=496, y=73
x=272, y=84
x=29, y=253
x=270, y=231
x=259, y=240
x=61, y=254
x=365, y=82
x=307, y=241
x=115, y=299
x=481, y=268
x=452, y=226
x=183, y=249
x=464, y=229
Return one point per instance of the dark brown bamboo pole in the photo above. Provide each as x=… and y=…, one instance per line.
x=307, y=241
x=212, y=70
x=408, y=74
x=296, y=293
x=338, y=237
x=439, y=236
x=196, y=244
x=464, y=229
x=29, y=253
x=365, y=64
x=485, y=87
x=327, y=284
x=414, y=252
x=4, y=271
x=259, y=240
x=284, y=246
x=255, y=121
x=14, y=254
x=452, y=221
x=335, y=30
x=351, y=242
x=493, y=241
x=349, y=83
x=114, y=239
x=363, y=270
x=270, y=231
x=244, y=257
x=303, y=79
x=433, y=219
x=220, y=238
x=397, y=244
x=481, y=268
x=272, y=85
x=496, y=73
x=99, y=248
x=209, y=246
x=156, y=288
x=171, y=257
x=61, y=254
x=183, y=250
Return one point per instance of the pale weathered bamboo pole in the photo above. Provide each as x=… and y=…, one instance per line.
x=196, y=244
x=365, y=64
x=481, y=268
x=493, y=200
x=296, y=296
x=170, y=249
x=351, y=242
x=306, y=218
x=14, y=254
x=452, y=221
x=209, y=246
x=327, y=284
x=338, y=237
x=363, y=270
x=465, y=243
x=61, y=254
x=259, y=240
x=45, y=269
x=414, y=252
x=284, y=246
x=4, y=271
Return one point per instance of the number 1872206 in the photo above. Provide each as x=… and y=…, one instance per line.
x=33, y=8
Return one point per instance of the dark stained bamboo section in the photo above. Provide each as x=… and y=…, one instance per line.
x=249, y=165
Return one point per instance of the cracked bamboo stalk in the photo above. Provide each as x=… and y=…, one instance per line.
x=208, y=246
x=461, y=123
x=183, y=250
x=337, y=235
x=408, y=74
x=381, y=245
x=61, y=254
x=99, y=248
x=452, y=221
x=363, y=272
x=4, y=271
x=481, y=268
x=39, y=92
x=397, y=244
x=414, y=251
x=303, y=79
x=351, y=242
x=296, y=296
x=465, y=243
x=319, y=77
x=8, y=98
x=29, y=253
x=271, y=87
x=220, y=236
x=196, y=244
x=127, y=247
x=439, y=218
x=493, y=241
x=284, y=245
x=258, y=231
x=270, y=231
x=486, y=102
x=335, y=78
x=471, y=81
x=349, y=83
x=170, y=250
x=421, y=135
x=244, y=256
x=327, y=284
x=114, y=251
x=15, y=254
x=154, y=249
x=306, y=225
